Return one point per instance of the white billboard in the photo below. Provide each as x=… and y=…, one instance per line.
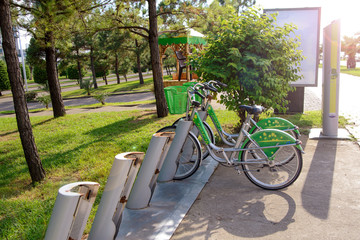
x=307, y=21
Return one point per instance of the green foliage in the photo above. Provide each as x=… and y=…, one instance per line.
x=40, y=75
x=101, y=69
x=87, y=85
x=73, y=72
x=27, y=71
x=101, y=97
x=45, y=100
x=30, y=96
x=34, y=53
x=4, y=78
x=255, y=57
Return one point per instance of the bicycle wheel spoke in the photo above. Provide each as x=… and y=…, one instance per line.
x=278, y=173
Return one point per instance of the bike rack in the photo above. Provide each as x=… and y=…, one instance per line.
x=119, y=183
x=145, y=183
x=71, y=211
x=169, y=167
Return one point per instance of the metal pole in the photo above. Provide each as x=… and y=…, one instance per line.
x=145, y=183
x=71, y=211
x=23, y=62
x=169, y=167
x=121, y=179
x=331, y=79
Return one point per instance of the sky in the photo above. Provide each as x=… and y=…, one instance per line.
x=345, y=10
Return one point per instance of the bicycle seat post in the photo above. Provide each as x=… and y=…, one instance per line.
x=244, y=127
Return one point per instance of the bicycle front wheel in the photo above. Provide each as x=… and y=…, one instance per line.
x=190, y=155
x=274, y=174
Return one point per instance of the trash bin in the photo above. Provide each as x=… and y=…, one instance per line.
x=176, y=98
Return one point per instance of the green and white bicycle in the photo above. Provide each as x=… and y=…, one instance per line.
x=270, y=158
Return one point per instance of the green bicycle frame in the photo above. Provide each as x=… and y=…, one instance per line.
x=269, y=140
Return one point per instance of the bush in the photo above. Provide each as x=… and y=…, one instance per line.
x=256, y=59
x=101, y=97
x=73, y=72
x=101, y=69
x=87, y=85
x=40, y=75
x=27, y=71
x=4, y=78
x=45, y=100
x=30, y=96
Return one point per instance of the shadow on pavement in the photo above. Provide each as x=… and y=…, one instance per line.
x=316, y=193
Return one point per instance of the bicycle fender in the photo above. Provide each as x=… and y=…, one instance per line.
x=275, y=123
x=272, y=137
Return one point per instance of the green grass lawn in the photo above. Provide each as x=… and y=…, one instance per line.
x=343, y=69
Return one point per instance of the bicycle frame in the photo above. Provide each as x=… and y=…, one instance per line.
x=268, y=149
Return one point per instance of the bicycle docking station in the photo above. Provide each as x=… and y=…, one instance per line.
x=145, y=183
x=71, y=211
x=169, y=167
x=117, y=189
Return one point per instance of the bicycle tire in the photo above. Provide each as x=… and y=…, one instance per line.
x=187, y=162
x=205, y=152
x=278, y=176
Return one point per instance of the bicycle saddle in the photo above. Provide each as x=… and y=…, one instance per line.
x=255, y=110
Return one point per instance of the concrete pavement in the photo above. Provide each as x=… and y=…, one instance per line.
x=324, y=203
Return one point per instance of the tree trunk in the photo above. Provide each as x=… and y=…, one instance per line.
x=161, y=106
x=33, y=161
x=54, y=85
x=79, y=68
x=105, y=79
x=138, y=62
x=351, y=62
x=117, y=68
x=93, y=67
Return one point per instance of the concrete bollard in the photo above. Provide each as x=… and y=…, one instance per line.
x=71, y=211
x=169, y=167
x=145, y=183
x=119, y=183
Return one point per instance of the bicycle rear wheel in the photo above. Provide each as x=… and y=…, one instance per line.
x=274, y=174
x=190, y=155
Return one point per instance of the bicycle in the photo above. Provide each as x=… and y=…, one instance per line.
x=263, y=155
x=227, y=138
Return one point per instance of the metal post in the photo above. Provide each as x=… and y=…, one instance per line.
x=145, y=183
x=23, y=62
x=169, y=167
x=71, y=210
x=331, y=78
x=119, y=183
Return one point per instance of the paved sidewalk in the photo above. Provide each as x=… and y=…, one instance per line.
x=324, y=203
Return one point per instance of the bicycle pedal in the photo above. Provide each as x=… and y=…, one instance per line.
x=238, y=170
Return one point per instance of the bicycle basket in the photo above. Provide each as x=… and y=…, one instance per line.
x=176, y=98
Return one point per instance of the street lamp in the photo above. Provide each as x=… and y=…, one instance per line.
x=17, y=36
